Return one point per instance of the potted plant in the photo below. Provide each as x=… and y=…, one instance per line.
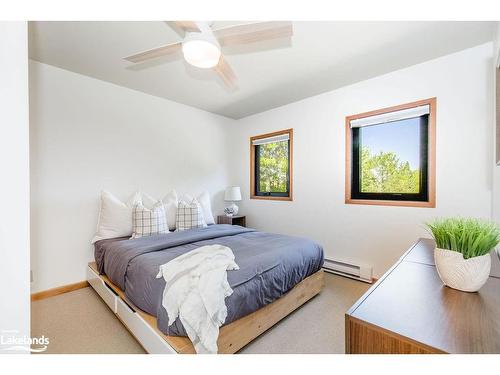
x=462, y=251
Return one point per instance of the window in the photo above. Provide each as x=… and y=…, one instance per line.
x=390, y=156
x=271, y=165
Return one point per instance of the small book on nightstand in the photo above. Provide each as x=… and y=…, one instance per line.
x=232, y=220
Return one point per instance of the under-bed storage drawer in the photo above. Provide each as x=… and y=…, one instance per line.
x=108, y=295
x=150, y=340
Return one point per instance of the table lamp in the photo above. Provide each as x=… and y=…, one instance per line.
x=233, y=194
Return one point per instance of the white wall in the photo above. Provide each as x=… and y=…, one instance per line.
x=378, y=235
x=88, y=135
x=495, y=132
x=497, y=45
x=14, y=159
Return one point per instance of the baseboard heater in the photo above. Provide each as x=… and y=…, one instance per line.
x=361, y=273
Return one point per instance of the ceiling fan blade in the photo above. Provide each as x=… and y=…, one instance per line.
x=253, y=32
x=225, y=72
x=186, y=26
x=177, y=29
x=154, y=53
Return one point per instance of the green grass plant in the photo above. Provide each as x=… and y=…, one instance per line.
x=469, y=236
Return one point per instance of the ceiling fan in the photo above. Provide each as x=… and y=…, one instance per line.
x=202, y=45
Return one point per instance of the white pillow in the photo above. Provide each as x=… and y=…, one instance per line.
x=169, y=203
x=149, y=222
x=204, y=200
x=115, y=216
x=189, y=216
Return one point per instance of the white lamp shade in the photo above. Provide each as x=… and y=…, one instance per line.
x=233, y=193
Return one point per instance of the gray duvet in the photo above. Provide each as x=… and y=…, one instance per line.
x=270, y=265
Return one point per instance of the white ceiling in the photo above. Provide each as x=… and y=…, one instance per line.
x=320, y=57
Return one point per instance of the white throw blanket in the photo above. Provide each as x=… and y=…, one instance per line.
x=195, y=292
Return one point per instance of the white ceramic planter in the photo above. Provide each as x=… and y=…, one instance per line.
x=468, y=275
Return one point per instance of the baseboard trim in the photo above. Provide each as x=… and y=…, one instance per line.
x=59, y=290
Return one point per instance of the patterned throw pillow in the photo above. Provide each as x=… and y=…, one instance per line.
x=189, y=216
x=148, y=222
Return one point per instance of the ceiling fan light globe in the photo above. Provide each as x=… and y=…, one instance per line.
x=201, y=53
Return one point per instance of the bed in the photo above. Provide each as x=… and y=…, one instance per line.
x=277, y=274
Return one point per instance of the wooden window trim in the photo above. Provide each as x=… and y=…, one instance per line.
x=252, y=166
x=431, y=202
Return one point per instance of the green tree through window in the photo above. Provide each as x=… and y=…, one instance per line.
x=386, y=173
x=273, y=167
x=390, y=156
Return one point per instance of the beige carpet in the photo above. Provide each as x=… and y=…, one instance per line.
x=79, y=322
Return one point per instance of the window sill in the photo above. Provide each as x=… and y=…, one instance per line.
x=376, y=202
x=271, y=198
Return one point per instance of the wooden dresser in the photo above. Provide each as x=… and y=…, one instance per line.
x=409, y=310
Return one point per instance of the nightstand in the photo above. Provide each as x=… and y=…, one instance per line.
x=233, y=220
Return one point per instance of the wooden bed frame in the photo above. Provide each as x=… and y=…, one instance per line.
x=232, y=337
